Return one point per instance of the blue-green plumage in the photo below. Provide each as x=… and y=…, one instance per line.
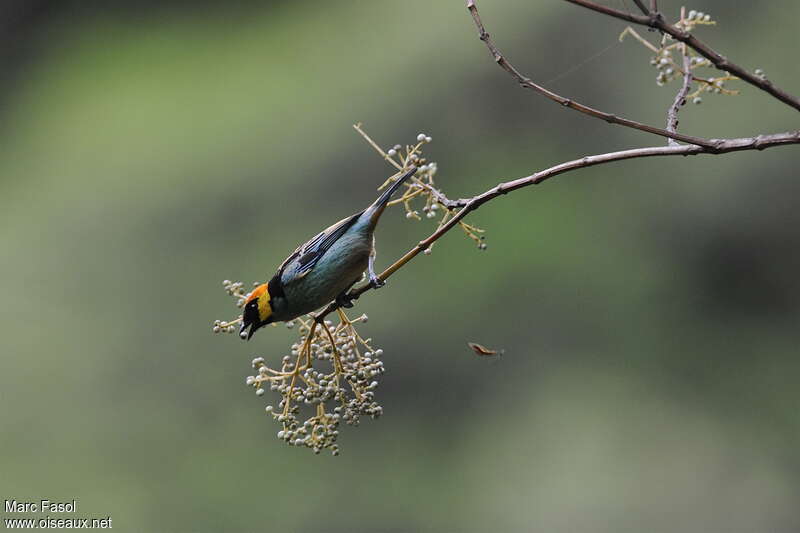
x=339, y=267
x=324, y=268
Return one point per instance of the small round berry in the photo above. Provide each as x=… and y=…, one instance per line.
x=421, y=137
x=392, y=152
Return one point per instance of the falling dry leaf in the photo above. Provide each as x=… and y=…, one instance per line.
x=483, y=351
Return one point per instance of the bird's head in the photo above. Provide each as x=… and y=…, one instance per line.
x=257, y=311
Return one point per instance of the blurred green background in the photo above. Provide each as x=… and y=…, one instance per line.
x=650, y=310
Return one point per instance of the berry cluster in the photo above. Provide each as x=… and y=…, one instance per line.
x=329, y=366
x=669, y=68
x=331, y=370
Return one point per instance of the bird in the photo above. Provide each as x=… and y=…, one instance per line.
x=322, y=270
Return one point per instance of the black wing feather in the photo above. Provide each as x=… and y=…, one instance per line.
x=311, y=255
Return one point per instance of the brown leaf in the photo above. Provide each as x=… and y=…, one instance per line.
x=483, y=351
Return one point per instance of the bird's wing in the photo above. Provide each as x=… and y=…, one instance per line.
x=311, y=252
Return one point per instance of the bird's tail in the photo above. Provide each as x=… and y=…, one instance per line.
x=374, y=211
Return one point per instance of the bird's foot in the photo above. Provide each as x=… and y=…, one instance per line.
x=344, y=300
x=376, y=282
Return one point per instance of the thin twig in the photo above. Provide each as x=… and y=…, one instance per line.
x=630, y=31
x=641, y=6
x=439, y=195
x=655, y=20
x=680, y=97
x=721, y=146
x=377, y=148
x=567, y=102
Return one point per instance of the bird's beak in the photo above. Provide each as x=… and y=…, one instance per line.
x=248, y=321
x=252, y=324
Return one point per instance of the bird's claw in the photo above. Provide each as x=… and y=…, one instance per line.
x=344, y=300
x=376, y=282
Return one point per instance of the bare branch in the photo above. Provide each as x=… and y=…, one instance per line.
x=721, y=146
x=567, y=102
x=680, y=98
x=463, y=207
x=655, y=20
x=610, y=11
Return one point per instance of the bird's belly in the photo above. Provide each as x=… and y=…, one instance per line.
x=340, y=267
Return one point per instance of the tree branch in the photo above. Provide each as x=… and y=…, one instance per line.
x=721, y=146
x=655, y=20
x=680, y=98
x=697, y=145
x=567, y=102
